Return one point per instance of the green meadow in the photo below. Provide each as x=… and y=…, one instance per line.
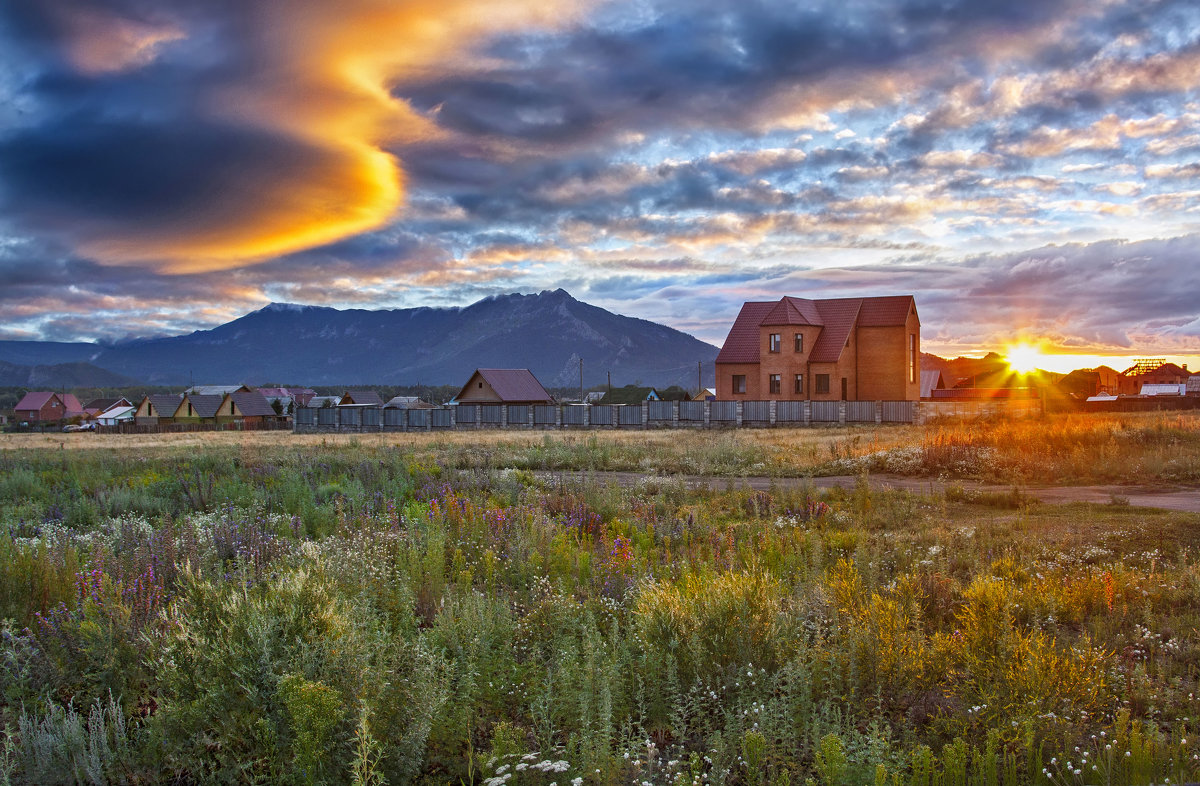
x=496, y=609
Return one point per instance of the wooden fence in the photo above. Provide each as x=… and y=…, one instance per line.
x=648, y=414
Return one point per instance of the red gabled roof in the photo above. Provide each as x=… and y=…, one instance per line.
x=840, y=316
x=885, y=311
x=741, y=345
x=836, y=317
x=35, y=400
x=793, y=311
x=511, y=384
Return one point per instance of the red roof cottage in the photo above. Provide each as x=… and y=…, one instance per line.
x=795, y=349
x=47, y=406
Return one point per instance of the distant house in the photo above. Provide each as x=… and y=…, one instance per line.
x=117, y=414
x=1152, y=371
x=1193, y=385
x=47, y=407
x=319, y=402
x=299, y=397
x=864, y=349
x=246, y=407
x=503, y=386
x=360, y=398
x=930, y=381
x=1081, y=384
x=217, y=390
x=1163, y=390
x=197, y=408
x=593, y=396
x=156, y=408
x=98, y=405
x=630, y=394
x=407, y=402
x=705, y=394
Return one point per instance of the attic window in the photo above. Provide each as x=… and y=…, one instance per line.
x=481, y=386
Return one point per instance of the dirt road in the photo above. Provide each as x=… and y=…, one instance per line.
x=1182, y=499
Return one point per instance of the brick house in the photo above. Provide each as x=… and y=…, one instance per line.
x=796, y=349
x=47, y=407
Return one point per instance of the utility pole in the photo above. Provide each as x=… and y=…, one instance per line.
x=699, y=378
x=610, y=384
x=581, y=380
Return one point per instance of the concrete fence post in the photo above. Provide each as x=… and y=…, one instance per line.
x=558, y=418
x=738, y=418
x=478, y=416
x=503, y=416
x=453, y=418
x=806, y=412
x=772, y=410
x=587, y=415
x=841, y=413
x=878, y=411
x=675, y=414
x=707, y=413
x=645, y=414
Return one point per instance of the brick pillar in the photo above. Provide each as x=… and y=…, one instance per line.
x=558, y=415
x=645, y=414
x=738, y=420
x=675, y=414
x=707, y=413
x=503, y=416
x=841, y=413
x=478, y=416
x=878, y=411
x=773, y=408
x=806, y=414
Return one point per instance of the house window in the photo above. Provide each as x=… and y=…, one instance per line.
x=774, y=342
x=822, y=383
x=739, y=383
x=800, y=384
x=799, y=342
x=912, y=357
x=481, y=386
x=776, y=383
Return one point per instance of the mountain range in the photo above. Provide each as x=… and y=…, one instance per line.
x=284, y=343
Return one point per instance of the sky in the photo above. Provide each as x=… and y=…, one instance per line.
x=1028, y=169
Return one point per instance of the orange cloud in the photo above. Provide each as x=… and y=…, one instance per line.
x=319, y=80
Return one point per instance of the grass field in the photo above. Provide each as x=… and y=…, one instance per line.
x=423, y=608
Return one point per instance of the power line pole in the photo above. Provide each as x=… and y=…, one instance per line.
x=581, y=380
x=699, y=378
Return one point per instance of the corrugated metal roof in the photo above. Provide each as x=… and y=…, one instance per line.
x=741, y=345
x=512, y=384
x=252, y=405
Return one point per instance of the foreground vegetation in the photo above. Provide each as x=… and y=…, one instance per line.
x=432, y=612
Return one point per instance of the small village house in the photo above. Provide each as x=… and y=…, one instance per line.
x=246, y=408
x=47, y=407
x=823, y=350
x=197, y=408
x=117, y=414
x=156, y=409
x=503, y=386
x=360, y=398
x=407, y=402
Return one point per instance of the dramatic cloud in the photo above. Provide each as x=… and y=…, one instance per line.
x=1022, y=166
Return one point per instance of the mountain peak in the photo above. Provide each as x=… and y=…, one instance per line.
x=280, y=308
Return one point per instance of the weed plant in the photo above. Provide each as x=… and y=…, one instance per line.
x=372, y=614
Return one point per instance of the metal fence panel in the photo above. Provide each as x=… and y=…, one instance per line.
x=630, y=415
x=327, y=416
x=691, y=410
x=490, y=413
x=544, y=414
x=825, y=411
x=441, y=417
x=725, y=411
x=372, y=418
x=601, y=415
x=518, y=413
x=572, y=415
x=860, y=411
x=898, y=411
x=661, y=410
x=465, y=414
x=789, y=412
x=418, y=418
x=757, y=411
x=306, y=417
x=393, y=418
x=351, y=417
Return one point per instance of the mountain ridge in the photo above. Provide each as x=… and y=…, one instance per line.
x=290, y=343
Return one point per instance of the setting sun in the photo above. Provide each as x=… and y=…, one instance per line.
x=1024, y=358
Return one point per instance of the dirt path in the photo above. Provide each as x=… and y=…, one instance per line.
x=1182, y=499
